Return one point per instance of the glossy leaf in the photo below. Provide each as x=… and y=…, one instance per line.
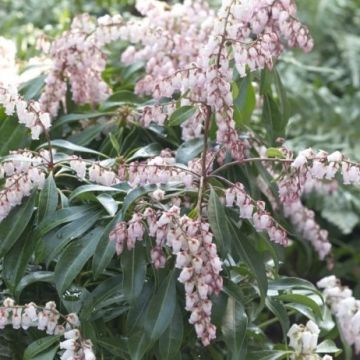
x=74, y=258
x=48, y=198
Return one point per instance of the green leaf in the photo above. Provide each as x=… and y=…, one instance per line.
x=133, y=264
x=328, y=347
x=108, y=203
x=32, y=88
x=55, y=242
x=69, y=118
x=74, y=258
x=64, y=144
x=61, y=216
x=139, y=343
x=34, y=277
x=290, y=283
x=96, y=299
x=16, y=260
x=136, y=315
x=278, y=309
x=48, y=354
x=93, y=188
x=38, y=346
x=161, y=308
x=234, y=327
x=12, y=134
x=244, y=101
x=15, y=223
x=304, y=300
x=252, y=258
x=189, y=150
x=116, y=346
x=180, y=115
x=87, y=135
x=105, y=249
x=147, y=151
x=218, y=223
x=170, y=341
x=48, y=198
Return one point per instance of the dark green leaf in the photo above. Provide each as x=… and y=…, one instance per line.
x=48, y=198
x=133, y=264
x=170, y=341
x=234, y=327
x=98, y=296
x=15, y=223
x=93, y=188
x=38, y=346
x=161, y=308
x=34, y=277
x=74, y=258
x=64, y=144
x=105, y=249
x=304, y=300
x=278, y=309
x=218, y=223
x=189, y=150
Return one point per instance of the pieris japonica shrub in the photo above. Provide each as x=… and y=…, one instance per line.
x=148, y=200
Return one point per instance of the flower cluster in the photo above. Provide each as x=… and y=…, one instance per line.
x=206, y=78
x=303, y=219
x=23, y=171
x=304, y=341
x=167, y=38
x=28, y=113
x=319, y=166
x=48, y=319
x=196, y=256
x=94, y=171
x=78, y=58
x=345, y=308
x=255, y=212
x=158, y=170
